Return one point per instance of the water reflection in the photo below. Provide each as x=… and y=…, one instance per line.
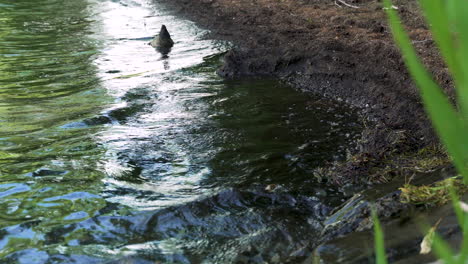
x=48, y=79
x=112, y=149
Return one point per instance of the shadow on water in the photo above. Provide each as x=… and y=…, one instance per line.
x=111, y=151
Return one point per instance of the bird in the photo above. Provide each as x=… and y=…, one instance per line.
x=163, y=40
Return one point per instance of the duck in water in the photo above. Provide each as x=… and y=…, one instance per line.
x=163, y=40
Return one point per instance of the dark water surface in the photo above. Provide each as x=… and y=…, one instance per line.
x=110, y=151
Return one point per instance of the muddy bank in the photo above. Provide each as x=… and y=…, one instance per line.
x=339, y=52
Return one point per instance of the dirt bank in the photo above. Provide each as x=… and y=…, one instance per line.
x=337, y=51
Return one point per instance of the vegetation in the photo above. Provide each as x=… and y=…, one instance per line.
x=449, y=122
x=435, y=194
x=448, y=22
x=379, y=240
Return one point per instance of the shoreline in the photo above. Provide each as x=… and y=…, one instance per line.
x=341, y=53
x=347, y=55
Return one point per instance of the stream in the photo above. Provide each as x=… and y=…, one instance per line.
x=111, y=152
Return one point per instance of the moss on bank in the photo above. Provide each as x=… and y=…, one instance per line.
x=369, y=170
x=435, y=194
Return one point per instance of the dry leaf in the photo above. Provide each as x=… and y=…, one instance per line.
x=464, y=207
x=426, y=244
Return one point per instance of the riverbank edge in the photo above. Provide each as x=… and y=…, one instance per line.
x=348, y=55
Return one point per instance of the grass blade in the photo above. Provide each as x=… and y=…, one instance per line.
x=379, y=245
x=463, y=222
x=443, y=250
x=457, y=207
x=446, y=120
x=460, y=23
x=438, y=16
x=464, y=248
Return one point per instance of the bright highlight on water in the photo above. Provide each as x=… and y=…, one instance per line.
x=112, y=149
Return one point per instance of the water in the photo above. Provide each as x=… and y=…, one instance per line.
x=111, y=151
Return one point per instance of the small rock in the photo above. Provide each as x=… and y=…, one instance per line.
x=271, y=187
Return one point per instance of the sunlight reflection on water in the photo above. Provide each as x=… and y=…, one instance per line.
x=109, y=149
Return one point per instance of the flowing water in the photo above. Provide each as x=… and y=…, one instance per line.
x=113, y=152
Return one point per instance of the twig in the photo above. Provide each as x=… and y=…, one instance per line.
x=346, y=4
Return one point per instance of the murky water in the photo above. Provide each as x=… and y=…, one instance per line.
x=111, y=151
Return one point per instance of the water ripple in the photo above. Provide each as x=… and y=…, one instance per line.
x=111, y=151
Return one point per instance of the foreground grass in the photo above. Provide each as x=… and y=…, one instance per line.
x=448, y=20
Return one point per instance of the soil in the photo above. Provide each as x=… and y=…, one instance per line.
x=335, y=51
